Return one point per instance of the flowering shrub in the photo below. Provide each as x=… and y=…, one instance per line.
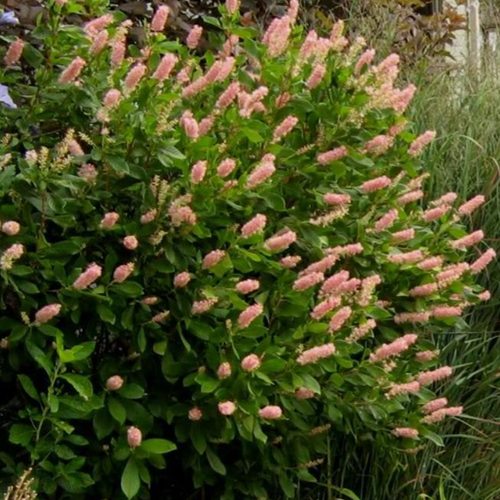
x=223, y=258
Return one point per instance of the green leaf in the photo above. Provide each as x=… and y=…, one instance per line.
x=77, y=353
x=29, y=386
x=21, y=434
x=131, y=481
x=198, y=438
x=39, y=356
x=287, y=485
x=103, y=423
x=129, y=289
x=117, y=410
x=118, y=164
x=215, y=462
x=158, y=446
x=106, y=314
x=252, y=135
x=132, y=391
x=81, y=384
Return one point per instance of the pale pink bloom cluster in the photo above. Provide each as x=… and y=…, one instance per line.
x=230, y=45
x=149, y=216
x=308, y=281
x=368, y=286
x=250, y=103
x=387, y=70
x=118, y=49
x=339, y=319
x=254, y=226
x=74, y=148
x=420, y=142
x=397, y=129
x=425, y=356
x=213, y=258
x=182, y=279
x=441, y=414
x=446, y=311
x=361, y=331
x=426, y=378
x=250, y=363
x=194, y=36
x=304, y=393
x=365, y=58
x=263, y=171
x=232, y=6
x=379, y=144
x=160, y=18
x=150, y=301
x=376, y=184
x=277, y=35
x=416, y=317
x=91, y=274
x=446, y=199
x=484, y=296
x=226, y=408
x=130, y=242
x=333, y=155
x=285, y=127
x=478, y=265
x=109, y=220
x=45, y=314
x=424, y=290
x=270, y=412
x=435, y=213
x=408, y=388
x=336, y=199
x=228, y=96
x=206, y=125
x=180, y=213
x=112, y=98
x=198, y=171
x=467, y=241
x=290, y=261
x=293, y=10
x=99, y=43
x=430, y=263
x=410, y=197
x=14, y=52
x=224, y=370
x=349, y=286
x=468, y=207
x=280, y=241
x=160, y=317
x=94, y=27
x=404, y=235
x=195, y=414
x=282, y=100
x=134, y=437
x=249, y=315
x=451, y=273
x=123, y=272
x=323, y=308
x=203, y=306
x=190, y=125
x=406, y=258
x=346, y=250
x=134, y=76
x=308, y=46
x=393, y=349
x=247, y=286
x=114, y=383
x=434, y=405
x=333, y=283
x=226, y=167
x=386, y=221
x=11, y=228
x=320, y=266
x=316, y=353
x=167, y=64
x=400, y=99
x=405, y=432
x=316, y=77
x=88, y=173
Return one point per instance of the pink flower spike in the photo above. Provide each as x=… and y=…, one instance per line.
x=323, y=308
x=333, y=283
x=263, y=171
x=277, y=36
x=434, y=405
x=431, y=263
x=165, y=67
x=134, y=437
x=195, y=414
x=468, y=240
x=410, y=197
x=114, y=383
x=336, y=199
x=290, y=261
x=112, y=98
x=425, y=356
x=91, y=274
x=418, y=317
x=394, y=349
x=426, y=378
x=123, y=272
x=424, y=290
x=321, y=266
x=213, y=258
x=254, y=226
x=333, y=155
x=270, y=412
x=365, y=58
x=379, y=144
x=194, y=37
x=420, y=142
x=249, y=315
x=316, y=76
x=409, y=388
x=225, y=168
x=446, y=199
x=435, y=213
x=405, y=432
x=109, y=220
x=481, y=263
x=160, y=18
x=286, y=126
x=203, y=306
x=442, y=413
x=134, y=76
x=232, y=6
x=308, y=281
x=446, y=311
x=149, y=216
x=471, y=205
x=224, y=371
x=130, y=242
x=198, y=172
x=280, y=242
x=99, y=43
x=247, y=286
x=406, y=258
x=228, y=96
x=304, y=393
x=45, y=314
x=72, y=72
x=316, y=353
x=339, y=319
x=376, y=184
x=250, y=363
x=386, y=221
x=402, y=236
x=14, y=52
x=181, y=280
x=88, y=173
x=160, y=317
